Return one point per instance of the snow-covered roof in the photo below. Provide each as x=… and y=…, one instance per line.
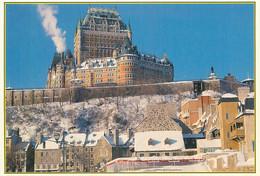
x=229, y=95
x=204, y=143
x=248, y=79
x=158, y=137
x=49, y=143
x=76, y=139
x=250, y=95
x=98, y=63
x=122, y=140
x=93, y=137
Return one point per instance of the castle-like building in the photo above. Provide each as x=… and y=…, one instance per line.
x=105, y=55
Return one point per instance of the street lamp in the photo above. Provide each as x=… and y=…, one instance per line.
x=57, y=137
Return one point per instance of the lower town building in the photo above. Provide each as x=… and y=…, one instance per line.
x=47, y=154
x=227, y=112
x=79, y=152
x=242, y=128
x=12, y=139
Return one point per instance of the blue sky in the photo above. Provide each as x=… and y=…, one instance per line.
x=194, y=36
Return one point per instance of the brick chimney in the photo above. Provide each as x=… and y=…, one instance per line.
x=116, y=137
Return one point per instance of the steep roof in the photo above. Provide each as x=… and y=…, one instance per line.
x=165, y=59
x=68, y=54
x=103, y=15
x=157, y=119
x=56, y=59
x=185, y=128
x=127, y=47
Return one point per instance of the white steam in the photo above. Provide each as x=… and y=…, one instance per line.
x=49, y=23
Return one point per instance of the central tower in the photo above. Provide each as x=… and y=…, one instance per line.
x=98, y=33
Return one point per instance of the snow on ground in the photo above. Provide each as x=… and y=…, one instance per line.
x=201, y=167
x=95, y=114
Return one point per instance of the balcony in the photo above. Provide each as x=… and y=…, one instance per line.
x=237, y=134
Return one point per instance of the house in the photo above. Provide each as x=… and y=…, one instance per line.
x=227, y=112
x=47, y=154
x=242, y=127
x=111, y=146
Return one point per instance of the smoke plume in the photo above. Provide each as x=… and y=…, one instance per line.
x=49, y=23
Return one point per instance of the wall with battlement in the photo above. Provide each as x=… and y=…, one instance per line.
x=79, y=94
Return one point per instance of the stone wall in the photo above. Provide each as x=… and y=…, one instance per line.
x=218, y=163
x=79, y=94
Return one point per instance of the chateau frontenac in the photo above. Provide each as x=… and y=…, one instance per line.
x=105, y=56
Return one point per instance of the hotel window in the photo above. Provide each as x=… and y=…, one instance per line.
x=141, y=154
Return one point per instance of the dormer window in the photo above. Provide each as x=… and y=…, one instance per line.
x=150, y=141
x=167, y=141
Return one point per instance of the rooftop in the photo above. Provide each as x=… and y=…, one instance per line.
x=158, y=137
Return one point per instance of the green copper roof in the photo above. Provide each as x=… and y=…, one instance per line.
x=103, y=15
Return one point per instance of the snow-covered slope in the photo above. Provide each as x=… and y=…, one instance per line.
x=95, y=114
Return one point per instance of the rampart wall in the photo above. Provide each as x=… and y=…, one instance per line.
x=78, y=94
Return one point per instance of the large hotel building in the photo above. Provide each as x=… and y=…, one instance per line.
x=105, y=55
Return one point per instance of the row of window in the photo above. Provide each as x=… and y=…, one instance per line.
x=158, y=154
x=47, y=160
x=101, y=41
x=99, y=45
x=103, y=36
x=46, y=166
x=130, y=75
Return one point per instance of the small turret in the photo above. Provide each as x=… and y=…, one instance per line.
x=79, y=23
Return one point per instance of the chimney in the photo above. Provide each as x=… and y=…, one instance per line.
x=17, y=131
x=62, y=55
x=129, y=133
x=116, y=137
x=108, y=133
x=39, y=138
x=242, y=92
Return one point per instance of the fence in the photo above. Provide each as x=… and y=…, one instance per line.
x=134, y=164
